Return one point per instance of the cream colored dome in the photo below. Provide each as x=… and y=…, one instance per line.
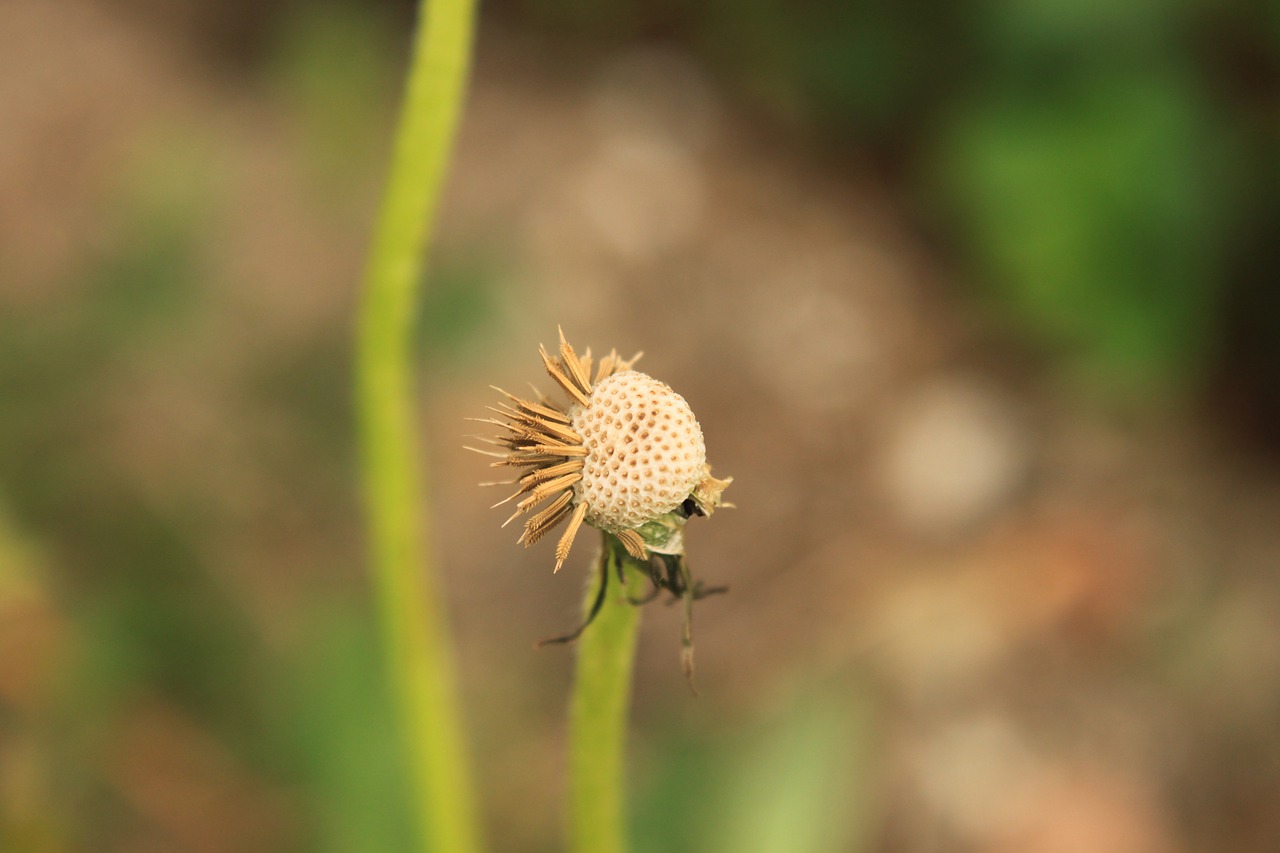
x=645, y=452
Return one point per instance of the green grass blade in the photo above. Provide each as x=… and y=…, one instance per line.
x=410, y=608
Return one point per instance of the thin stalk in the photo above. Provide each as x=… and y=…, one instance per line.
x=598, y=711
x=410, y=609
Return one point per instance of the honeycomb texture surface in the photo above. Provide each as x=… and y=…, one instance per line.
x=645, y=451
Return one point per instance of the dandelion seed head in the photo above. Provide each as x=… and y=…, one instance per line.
x=625, y=451
x=645, y=452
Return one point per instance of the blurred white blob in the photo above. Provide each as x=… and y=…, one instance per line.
x=956, y=452
x=977, y=774
x=643, y=190
x=813, y=343
x=644, y=195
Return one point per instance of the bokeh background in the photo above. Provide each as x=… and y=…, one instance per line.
x=977, y=302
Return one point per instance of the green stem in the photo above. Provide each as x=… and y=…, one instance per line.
x=411, y=612
x=598, y=711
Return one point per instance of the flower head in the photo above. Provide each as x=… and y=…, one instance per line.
x=625, y=455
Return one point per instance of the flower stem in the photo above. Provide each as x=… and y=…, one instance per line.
x=598, y=711
x=411, y=613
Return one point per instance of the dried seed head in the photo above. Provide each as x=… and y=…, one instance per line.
x=645, y=453
x=625, y=453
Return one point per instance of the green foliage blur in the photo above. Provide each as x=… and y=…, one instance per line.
x=1106, y=172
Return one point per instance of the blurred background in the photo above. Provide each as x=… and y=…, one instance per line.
x=976, y=301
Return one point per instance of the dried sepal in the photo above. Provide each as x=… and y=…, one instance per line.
x=634, y=544
x=566, y=541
